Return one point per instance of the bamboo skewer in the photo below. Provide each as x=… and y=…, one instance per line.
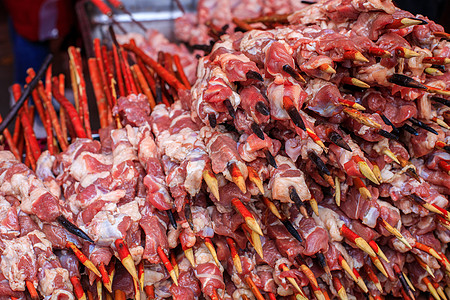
x=98, y=91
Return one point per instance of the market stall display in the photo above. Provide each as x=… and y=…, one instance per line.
x=308, y=157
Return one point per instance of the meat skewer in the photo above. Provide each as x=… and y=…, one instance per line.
x=294, y=171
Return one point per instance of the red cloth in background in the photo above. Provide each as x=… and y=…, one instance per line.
x=40, y=20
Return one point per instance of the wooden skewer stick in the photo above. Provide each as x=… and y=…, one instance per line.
x=163, y=73
x=120, y=80
x=62, y=113
x=143, y=83
x=75, y=56
x=98, y=91
x=72, y=113
x=125, y=258
x=237, y=176
x=53, y=117
x=26, y=94
x=357, y=240
x=234, y=255
x=32, y=290
x=30, y=137
x=77, y=288
x=248, y=217
x=10, y=141
x=212, y=250
x=103, y=73
x=83, y=258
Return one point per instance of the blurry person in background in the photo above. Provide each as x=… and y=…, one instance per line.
x=37, y=28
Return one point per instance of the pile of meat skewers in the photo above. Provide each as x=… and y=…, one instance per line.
x=309, y=159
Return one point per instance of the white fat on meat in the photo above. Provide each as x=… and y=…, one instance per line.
x=297, y=146
x=330, y=220
x=399, y=180
x=123, y=150
x=19, y=185
x=312, y=15
x=252, y=41
x=43, y=243
x=89, y=179
x=225, y=43
x=44, y=172
x=103, y=228
x=415, y=64
x=11, y=256
x=275, y=93
x=400, y=247
x=130, y=209
x=280, y=184
x=238, y=293
x=437, y=199
x=425, y=110
x=370, y=217
x=7, y=156
x=235, y=99
x=184, y=265
x=268, y=269
x=390, y=207
x=346, y=156
x=375, y=74
x=147, y=147
x=61, y=294
x=203, y=256
x=132, y=136
x=5, y=228
x=211, y=135
x=80, y=170
x=153, y=274
x=281, y=291
x=443, y=236
x=48, y=285
x=112, y=197
x=27, y=202
x=238, y=282
x=386, y=174
x=136, y=253
x=177, y=146
x=381, y=145
x=194, y=171
x=172, y=236
x=202, y=220
x=197, y=93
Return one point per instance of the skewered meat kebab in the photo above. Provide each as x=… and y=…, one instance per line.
x=354, y=237
x=387, y=152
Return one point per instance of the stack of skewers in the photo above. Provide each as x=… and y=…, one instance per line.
x=309, y=159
